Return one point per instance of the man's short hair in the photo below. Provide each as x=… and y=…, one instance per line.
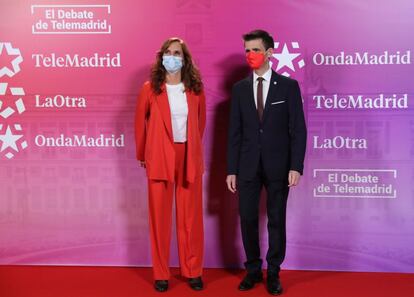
x=260, y=34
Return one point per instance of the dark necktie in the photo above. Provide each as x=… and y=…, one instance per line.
x=260, y=97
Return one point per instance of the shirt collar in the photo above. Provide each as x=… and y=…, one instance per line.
x=267, y=75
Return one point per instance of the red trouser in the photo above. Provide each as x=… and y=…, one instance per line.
x=189, y=215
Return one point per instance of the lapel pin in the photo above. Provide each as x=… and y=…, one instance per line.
x=275, y=82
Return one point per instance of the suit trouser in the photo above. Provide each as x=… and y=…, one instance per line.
x=189, y=220
x=249, y=197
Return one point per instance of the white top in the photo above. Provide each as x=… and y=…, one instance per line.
x=266, y=83
x=179, y=111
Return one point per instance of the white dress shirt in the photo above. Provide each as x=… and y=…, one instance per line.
x=179, y=111
x=266, y=83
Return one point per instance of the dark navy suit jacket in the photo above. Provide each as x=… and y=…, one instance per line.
x=279, y=140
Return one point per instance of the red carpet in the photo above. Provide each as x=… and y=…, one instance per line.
x=119, y=282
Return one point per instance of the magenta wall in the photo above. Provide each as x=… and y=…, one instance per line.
x=71, y=205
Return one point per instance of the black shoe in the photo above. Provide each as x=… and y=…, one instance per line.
x=250, y=280
x=161, y=285
x=196, y=283
x=273, y=285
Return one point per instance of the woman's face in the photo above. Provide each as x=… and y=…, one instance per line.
x=174, y=49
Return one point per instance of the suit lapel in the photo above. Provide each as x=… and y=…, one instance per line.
x=271, y=93
x=251, y=101
x=192, y=112
x=164, y=105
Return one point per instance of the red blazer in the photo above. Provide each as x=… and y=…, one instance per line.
x=154, y=136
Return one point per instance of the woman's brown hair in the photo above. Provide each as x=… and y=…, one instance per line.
x=190, y=75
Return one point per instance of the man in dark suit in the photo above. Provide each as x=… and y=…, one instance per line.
x=266, y=147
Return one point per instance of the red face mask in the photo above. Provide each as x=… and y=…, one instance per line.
x=255, y=60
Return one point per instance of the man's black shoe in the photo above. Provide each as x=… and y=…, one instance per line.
x=196, y=283
x=273, y=285
x=161, y=285
x=250, y=280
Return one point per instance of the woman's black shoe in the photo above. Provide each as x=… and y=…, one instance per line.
x=161, y=285
x=196, y=283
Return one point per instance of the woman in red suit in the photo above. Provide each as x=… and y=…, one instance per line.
x=169, y=125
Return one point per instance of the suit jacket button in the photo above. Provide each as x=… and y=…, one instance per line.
x=261, y=130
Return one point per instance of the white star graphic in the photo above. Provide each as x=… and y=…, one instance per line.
x=9, y=140
x=15, y=62
x=285, y=59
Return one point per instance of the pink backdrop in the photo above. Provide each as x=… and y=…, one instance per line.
x=63, y=205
